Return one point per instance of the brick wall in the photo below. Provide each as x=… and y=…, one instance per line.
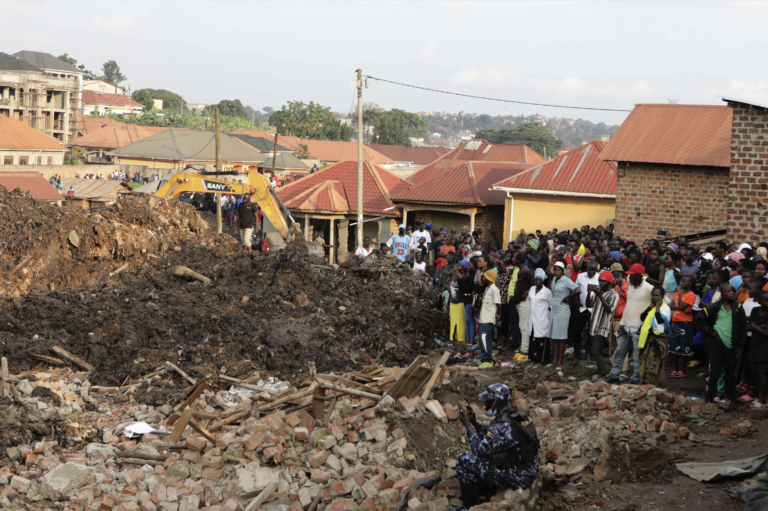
x=676, y=198
x=495, y=216
x=424, y=216
x=747, y=194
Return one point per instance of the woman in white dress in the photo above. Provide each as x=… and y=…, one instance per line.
x=540, y=301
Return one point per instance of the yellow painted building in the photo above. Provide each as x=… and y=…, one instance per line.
x=575, y=189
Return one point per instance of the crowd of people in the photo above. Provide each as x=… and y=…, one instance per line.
x=657, y=310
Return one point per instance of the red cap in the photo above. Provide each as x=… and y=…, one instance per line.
x=636, y=269
x=606, y=275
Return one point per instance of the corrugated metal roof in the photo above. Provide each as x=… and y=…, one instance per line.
x=378, y=185
x=750, y=103
x=416, y=155
x=47, y=61
x=580, y=171
x=332, y=150
x=96, y=98
x=285, y=161
x=465, y=183
x=324, y=196
x=13, y=63
x=32, y=182
x=477, y=150
x=91, y=188
x=87, y=124
x=190, y=145
x=17, y=135
x=114, y=136
x=674, y=134
x=261, y=144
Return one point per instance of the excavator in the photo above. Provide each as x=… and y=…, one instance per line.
x=202, y=180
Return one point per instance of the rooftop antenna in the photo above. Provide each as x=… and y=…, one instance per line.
x=673, y=101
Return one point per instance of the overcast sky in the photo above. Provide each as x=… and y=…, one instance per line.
x=593, y=54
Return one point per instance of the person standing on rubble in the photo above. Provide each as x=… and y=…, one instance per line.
x=246, y=219
x=504, y=453
x=399, y=243
x=487, y=319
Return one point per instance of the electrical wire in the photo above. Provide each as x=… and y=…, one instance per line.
x=494, y=99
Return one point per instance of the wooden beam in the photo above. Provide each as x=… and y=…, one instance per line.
x=403, y=377
x=437, y=371
x=71, y=358
x=178, y=429
x=48, y=360
x=353, y=392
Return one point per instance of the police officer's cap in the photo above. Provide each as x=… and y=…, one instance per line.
x=495, y=392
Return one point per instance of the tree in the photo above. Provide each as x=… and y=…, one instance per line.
x=309, y=120
x=144, y=97
x=73, y=62
x=171, y=100
x=302, y=152
x=253, y=114
x=371, y=112
x=535, y=136
x=397, y=126
x=227, y=107
x=112, y=73
x=268, y=111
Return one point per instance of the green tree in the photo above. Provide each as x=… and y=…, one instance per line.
x=144, y=97
x=268, y=111
x=171, y=100
x=309, y=120
x=397, y=126
x=302, y=152
x=227, y=107
x=112, y=73
x=535, y=136
x=73, y=62
x=371, y=112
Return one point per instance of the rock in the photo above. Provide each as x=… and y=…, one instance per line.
x=451, y=412
x=189, y=503
x=319, y=476
x=693, y=437
x=577, y=465
x=601, y=470
x=250, y=479
x=106, y=450
x=334, y=462
x=300, y=300
x=20, y=484
x=179, y=469
x=389, y=499
x=342, y=505
x=25, y=387
x=196, y=443
x=414, y=503
x=709, y=409
x=436, y=408
x=348, y=452
x=63, y=479
x=301, y=434
x=385, y=403
x=407, y=405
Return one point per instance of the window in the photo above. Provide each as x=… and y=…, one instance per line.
x=23, y=160
x=8, y=160
x=50, y=160
x=39, y=160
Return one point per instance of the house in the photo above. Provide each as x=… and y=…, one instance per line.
x=326, y=201
x=102, y=87
x=41, y=91
x=105, y=104
x=455, y=190
x=673, y=165
x=22, y=145
x=83, y=124
x=574, y=189
x=97, y=144
x=174, y=149
x=94, y=192
x=747, y=193
x=325, y=152
x=284, y=163
x=32, y=182
x=412, y=157
x=262, y=144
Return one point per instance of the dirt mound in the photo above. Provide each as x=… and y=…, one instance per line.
x=279, y=310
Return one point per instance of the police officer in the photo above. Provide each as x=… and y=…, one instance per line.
x=504, y=453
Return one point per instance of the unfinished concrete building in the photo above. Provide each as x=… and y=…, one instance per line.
x=41, y=91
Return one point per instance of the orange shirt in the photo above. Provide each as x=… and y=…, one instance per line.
x=742, y=297
x=688, y=298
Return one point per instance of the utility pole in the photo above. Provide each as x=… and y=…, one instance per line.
x=359, y=157
x=218, y=169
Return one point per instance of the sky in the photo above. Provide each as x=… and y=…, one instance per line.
x=608, y=55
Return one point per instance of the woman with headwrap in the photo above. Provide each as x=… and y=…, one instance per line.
x=653, y=342
x=456, y=299
x=540, y=299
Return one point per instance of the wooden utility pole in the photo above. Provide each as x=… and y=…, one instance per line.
x=359, y=157
x=218, y=169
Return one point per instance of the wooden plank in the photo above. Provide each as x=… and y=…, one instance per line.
x=182, y=373
x=6, y=384
x=200, y=429
x=240, y=383
x=82, y=364
x=353, y=392
x=48, y=360
x=178, y=429
x=140, y=455
x=435, y=374
x=362, y=386
x=191, y=398
x=267, y=492
x=318, y=403
x=137, y=461
x=234, y=418
x=415, y=383
x=394, y=389
x=292, y=397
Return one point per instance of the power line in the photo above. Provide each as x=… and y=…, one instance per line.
x=495, y=99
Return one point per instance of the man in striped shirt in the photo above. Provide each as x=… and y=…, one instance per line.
x=603, y=300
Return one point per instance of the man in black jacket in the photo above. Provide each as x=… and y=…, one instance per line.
x=720, y=322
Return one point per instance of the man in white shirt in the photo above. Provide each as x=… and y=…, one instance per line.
x=419, y=233
x=366, y=249
x=638, y=298
x=581, y=321
x=488, y=311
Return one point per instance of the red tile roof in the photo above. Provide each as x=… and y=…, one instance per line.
x=416, y=155
x=111, y=136
x=312, y=193
x=478, y=150
x=94, y=98
x=468, y=182
x=86, y=124
x=32, y=182
x=580, y=171
x=16, y=135
x=674, y=134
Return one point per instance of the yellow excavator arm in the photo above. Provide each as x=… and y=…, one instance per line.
x=257, y=186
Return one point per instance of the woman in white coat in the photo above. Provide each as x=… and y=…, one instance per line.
x=540, y=299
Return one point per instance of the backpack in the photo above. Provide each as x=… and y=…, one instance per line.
x=529, y=440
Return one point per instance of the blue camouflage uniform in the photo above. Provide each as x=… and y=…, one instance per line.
x=477, y=466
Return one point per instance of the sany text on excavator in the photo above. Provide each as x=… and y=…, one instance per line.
x=255, y=184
